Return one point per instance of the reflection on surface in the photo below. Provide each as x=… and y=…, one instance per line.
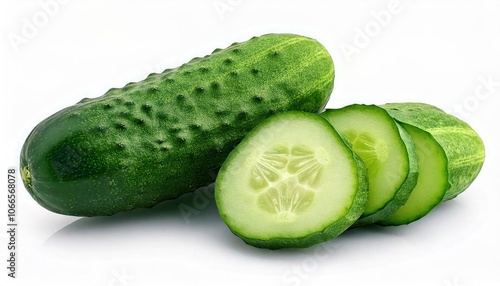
x=193, y=216
x=190, y=228
x=160, y=244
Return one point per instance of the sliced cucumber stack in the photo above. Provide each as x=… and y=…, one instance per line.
x=299, y=178
x=388, y=153
x=291, y=182
x=450, y=155
x=432, y=181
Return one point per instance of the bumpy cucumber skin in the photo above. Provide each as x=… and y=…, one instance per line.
x=335, y=229
x=406, y=186
x=463, y=147
x=168, y=134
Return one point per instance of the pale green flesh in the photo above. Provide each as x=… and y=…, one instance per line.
x=285, y=178
x=432, y=181
x=463, y=146
x=289, y=180
x=374, y=136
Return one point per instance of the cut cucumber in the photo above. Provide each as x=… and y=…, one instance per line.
x=450, y=156
x=387, y=151
x=432, y=181
x=463, y=147
x=291, y=182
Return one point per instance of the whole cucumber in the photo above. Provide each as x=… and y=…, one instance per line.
x=167, y=135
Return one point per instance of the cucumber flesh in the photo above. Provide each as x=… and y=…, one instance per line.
x=291, y=182
x=464, y=148
x=387, y=151
x=432, y=181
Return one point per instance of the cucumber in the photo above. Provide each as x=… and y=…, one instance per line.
x=292, y=182
x=387, y=151
x=157, y=139
x=450, y=155
x=432, y=182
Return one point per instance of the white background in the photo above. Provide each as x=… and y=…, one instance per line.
x=54, y=53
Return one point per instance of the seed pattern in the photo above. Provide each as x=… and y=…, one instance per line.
x=285, y=178
x=305, y=165
x=370, y=149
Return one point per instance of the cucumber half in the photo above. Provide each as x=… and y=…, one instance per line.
x=291, y=182
x=387, y=151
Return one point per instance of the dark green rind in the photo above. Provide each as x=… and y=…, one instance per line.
x=330, y=232
x=463, y=147
x=168, y=134
x=406, y=186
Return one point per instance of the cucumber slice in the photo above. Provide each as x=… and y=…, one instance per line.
x=450, y=156
x=388, y=153
x=463, y=147
x=291, y=182
x=432, y=182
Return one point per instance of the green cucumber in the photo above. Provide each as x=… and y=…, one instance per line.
x=291, y=182
x=432, y=182
x=387, y=151
x=450, y=155
x=157, y=139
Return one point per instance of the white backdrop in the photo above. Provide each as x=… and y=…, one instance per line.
x=447, y=53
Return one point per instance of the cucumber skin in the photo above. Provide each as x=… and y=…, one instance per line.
x=463, y=147
x=397, y=219
x=406, y=186
x=357, y=208
x=168, y=135
x=330, y=232
x=405, y=189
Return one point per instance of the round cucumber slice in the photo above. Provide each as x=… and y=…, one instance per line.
x=463, y=147
x=432, y=182
x=450, y=156
x=388, y=153
x=291, y=182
